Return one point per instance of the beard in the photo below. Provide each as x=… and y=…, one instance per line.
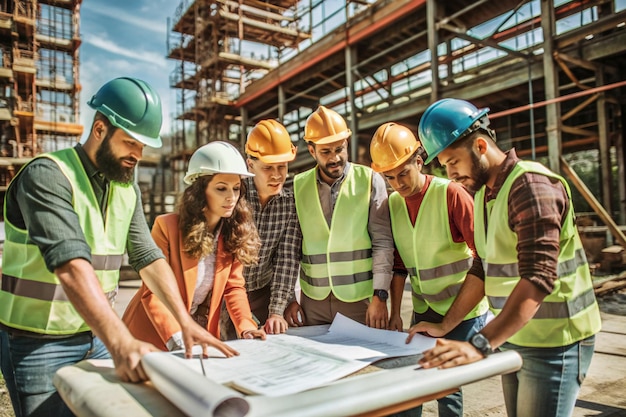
x=326, y=169
x=480, y=173
x=111, y=166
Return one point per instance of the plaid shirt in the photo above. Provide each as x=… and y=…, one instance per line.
x=279, y=257
x=537, y=208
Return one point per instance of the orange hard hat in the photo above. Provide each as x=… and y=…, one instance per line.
x=391, y=146
x=325, y=126
x=270, y=142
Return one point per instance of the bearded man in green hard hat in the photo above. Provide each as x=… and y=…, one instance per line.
x=70, y=216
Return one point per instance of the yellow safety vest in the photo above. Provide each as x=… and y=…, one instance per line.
x=339, y=258
x=570, y=313
x=436, y=264
x=31, y=297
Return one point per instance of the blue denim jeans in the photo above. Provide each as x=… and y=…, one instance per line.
x=451, y=405
x=549, y=380
x=29, y=364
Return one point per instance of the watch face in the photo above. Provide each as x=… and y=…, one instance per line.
x=382, y=294
x=478, y=340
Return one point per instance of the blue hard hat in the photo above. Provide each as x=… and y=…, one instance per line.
x=446, y=121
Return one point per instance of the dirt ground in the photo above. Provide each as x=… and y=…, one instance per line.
x=5, y=403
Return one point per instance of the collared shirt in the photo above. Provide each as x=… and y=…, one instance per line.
x=281, y=250
x=41, y=201
x=379, y=224
x=537, y=208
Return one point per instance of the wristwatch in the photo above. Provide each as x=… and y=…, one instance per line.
x=383, y=295
x=481, y=343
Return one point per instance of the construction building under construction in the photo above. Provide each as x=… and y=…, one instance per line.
x=39, y=80
x=551, y=71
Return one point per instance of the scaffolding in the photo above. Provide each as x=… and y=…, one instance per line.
x=552, y=72
x=57, y=83
x=221, y=46
x=39, y=87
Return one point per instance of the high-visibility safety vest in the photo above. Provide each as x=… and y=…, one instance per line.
x=339, y=258
x=31, y=297
x=570, y=313
x=436, y=264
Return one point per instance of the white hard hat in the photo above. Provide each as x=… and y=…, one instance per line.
x=216, y=158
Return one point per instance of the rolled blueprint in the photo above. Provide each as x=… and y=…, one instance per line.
x=192, y=392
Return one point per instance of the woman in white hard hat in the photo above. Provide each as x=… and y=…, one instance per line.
x=206, y=242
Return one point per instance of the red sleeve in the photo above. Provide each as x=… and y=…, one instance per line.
x=461, y=215
x=398, y=263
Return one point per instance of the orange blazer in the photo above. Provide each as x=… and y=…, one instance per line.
x=147, y=317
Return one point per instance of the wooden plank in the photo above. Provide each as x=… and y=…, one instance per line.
x=611, y=343
x=593, y=202
x=610, y=286
x=612, y=323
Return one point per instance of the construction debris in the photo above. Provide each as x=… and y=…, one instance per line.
x=610, y=285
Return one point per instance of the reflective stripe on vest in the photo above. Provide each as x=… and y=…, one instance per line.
x=339, y=258
x=570, y=313
x=437, y=265
x=31, y=297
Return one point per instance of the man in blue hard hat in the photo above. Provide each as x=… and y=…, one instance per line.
x=535, y=276
x=70, y=216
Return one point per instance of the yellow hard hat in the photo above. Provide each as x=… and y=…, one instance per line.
x=325, y=126
x=270, y=142
x=391, y=146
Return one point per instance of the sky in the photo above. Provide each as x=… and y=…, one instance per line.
x=125, y=38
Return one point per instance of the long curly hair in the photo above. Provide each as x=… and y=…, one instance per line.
x=240, y=235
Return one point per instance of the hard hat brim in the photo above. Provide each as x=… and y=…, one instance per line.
x=396, y=164
x=190, y=178
x=146, y=140
x=330, y=139
x=431, y=158
x=276, y=159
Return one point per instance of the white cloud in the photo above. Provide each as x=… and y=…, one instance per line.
x=124, y=40
x=122, y=15
x=110, y=46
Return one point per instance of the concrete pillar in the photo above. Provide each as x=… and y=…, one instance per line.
x=281, y=103
x=354, y=141
x=431, y=23
x=551, y=81
x=243, y=112
x=620, y=150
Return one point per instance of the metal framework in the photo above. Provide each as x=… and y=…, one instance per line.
x=39, y=87
x=531, y=62
x=211, y=42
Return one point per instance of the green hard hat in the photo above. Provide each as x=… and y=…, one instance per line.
x=133, y=106
x=446, y=121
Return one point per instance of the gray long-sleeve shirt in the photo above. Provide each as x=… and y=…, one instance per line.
x=379, y=224
x=40, y=201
